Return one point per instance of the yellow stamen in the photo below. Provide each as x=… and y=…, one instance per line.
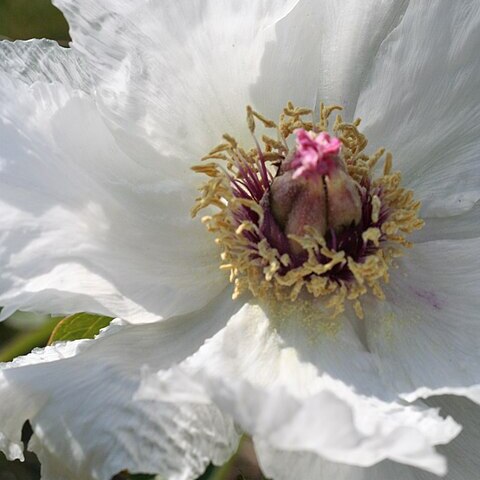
x=256, y=266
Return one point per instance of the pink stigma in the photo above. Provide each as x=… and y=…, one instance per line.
x=315, y=154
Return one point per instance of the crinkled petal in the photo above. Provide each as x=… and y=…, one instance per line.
x=173, y=75
x=44, y=61
x=256, y=375
x=422, y=102
x=158, y=83
x=461, y=454
x=85, y=227
x=426, y=333
x=80, y=398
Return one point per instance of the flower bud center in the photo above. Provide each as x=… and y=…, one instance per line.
x=312, y=223
x=313, y=189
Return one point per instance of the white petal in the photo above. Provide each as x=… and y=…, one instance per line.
x=264, y=381
x=463, y=226
x=461, y=454
x=323, y=52
x=427, y=332
x=161, y=84
x=175, y=74
x=281, y=465
x=422, y=102
x=80, y=398
x=45, y=61
x=86, y=228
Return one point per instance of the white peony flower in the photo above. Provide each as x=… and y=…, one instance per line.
x=341, y=343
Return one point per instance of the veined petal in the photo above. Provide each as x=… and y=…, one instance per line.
x=323, y=51
x=44, y=61
x=80, y=398
x=257, y=375
x=158, y=85
x=427, y=333
x=422, y=101
x=83, y=226
x=171, y=71
x=461, y=454
x=457, y=227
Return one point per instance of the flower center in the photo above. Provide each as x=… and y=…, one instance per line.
x=310, y=220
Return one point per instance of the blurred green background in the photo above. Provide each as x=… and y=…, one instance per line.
x=24, y=19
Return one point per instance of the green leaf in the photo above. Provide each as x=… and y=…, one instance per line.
x=79, y=325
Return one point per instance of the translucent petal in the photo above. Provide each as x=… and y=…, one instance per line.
x=85, y=227
x=80, y=398
x=268, y=385
x=422, y=101
x=426, y=333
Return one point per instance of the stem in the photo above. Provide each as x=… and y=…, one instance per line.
x=222, y=473
x=26, y=341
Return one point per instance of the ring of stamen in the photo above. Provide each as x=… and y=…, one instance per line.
x=333, y=267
